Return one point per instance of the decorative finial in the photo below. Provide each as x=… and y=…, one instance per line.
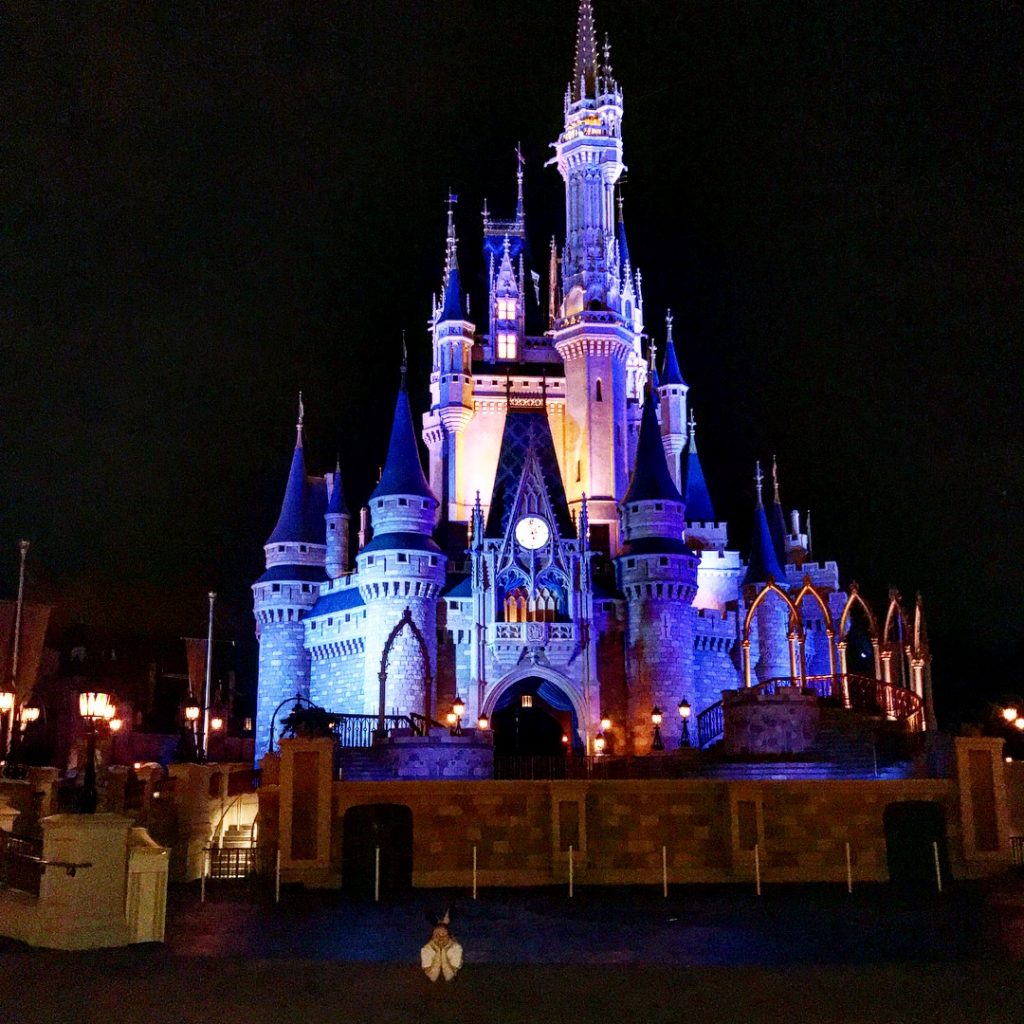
x=758, y=481
x=693, y=432
x=619, y=202
x=668, y=327
x=405, y=361
x=606, y=51
x=652, y=351
x=298, y=424
x=775, y=481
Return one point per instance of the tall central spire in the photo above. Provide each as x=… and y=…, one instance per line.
x=585, y=68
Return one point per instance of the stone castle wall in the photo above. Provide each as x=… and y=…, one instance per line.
x=283, y=672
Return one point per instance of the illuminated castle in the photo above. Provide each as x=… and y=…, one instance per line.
x=562, y=555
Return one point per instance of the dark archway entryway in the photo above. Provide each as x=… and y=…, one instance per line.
x=536, y=730
x=912, y=828
x=367, y=827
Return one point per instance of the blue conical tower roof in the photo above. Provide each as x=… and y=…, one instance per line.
x=670, y=368
x=336, y=503
x=295, y=524
x=763, y=561
x=403, y=472
x=699, y=508
x=452, y=307
x=651, y=479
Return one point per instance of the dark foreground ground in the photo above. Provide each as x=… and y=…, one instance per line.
x=715, y=955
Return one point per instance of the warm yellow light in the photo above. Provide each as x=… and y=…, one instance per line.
x=192, y=712
x=216, y=723
x=1020, y=724
x=684, y=709
x=137, y=765
x=109, y=711
x=115, y=724
x=656, y=716
x=6, y=700
x=565, y=738
x=459, y=707
x=451, y=718
x=599, y=742
x=93, y=706
x=1010, y=714
x=483, y=723
x=29, y=714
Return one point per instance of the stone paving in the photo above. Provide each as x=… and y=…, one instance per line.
x=716, y=955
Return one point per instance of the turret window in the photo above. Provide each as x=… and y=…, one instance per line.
x=506, y=309
x=506, y=345
x=598, y=394
x=276, y=588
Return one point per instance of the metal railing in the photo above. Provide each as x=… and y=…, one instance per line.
x=854, y=692
x=358, y=730
x=579, y=766
x=22, y=863
x=237, y=863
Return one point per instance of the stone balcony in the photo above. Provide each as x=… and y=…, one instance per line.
x=532, y=634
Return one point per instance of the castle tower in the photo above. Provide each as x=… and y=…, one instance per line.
x=337, y=521
x=295, y=557
x=770, y=649
x=657, y=572
x=604, y=367
x=401, y=572
x=703, y=533
x=451, y=389
x=672, y=391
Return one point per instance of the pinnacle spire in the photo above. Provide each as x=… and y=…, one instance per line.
x=520, y=164
x=763, y=564
x=671, y=372
x=402, y=472
x=405, y=362
x=777, y=518
x=298, y=424
x=294, y=520
x=585, y=68
x=699, y=508
x=651, y=480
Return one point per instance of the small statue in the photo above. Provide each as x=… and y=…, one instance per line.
x=442, y=955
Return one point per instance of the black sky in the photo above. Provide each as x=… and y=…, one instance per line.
x=208, y=206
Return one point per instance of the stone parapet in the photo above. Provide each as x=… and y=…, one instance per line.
x=783, y=722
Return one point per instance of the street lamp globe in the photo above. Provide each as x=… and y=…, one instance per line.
x=684, y=709
x=192, y=711
x=94, y=706
x=1010, y=714
x=459, y=707
x=29, y=713
x=6, y=701
x=216, y=723
x=1019, y=723
x=483, y=723
x=115, y=724
x=606, y=723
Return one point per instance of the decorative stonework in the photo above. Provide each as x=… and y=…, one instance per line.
x=783, y=722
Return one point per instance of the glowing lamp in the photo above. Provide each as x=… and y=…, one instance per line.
x=599, y=742
x=606, y=723
x=656, y=716
x=684, y=709
x=6, y=700
x=115, y=724
x=247, y=725
x=1010, y=714
x=137, y=765
x=109, y=712
x=216, y=723
x=459, y=707
x=483, y=723
x=192, y=711
x=451, y=718
x=92, y=706
x=565, y=738
x=29, y=714
x=1019, y=723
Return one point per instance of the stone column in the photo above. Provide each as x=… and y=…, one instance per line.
x=305, y=812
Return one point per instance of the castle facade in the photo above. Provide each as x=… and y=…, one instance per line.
x=559, y=569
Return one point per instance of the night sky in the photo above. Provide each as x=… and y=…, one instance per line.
x=208, y=206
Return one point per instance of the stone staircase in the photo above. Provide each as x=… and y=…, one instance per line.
x=236, y=837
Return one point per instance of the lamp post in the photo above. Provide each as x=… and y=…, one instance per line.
x=658, y=743
x=7, y=720
x=483, y=723
x=455, y=716
x=94, y=706
x=599, y=743
x=192, y=711
x=684, y=714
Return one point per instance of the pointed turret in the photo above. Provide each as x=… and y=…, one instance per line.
x=670, y=368
x=621, y=237
x=584, y=77
x=651, y=479
x=403, y=472
x=294, y=524
x=777, y=518
x=699, y=508
x=763, y=563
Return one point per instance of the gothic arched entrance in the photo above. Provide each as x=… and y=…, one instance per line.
x=534, y=717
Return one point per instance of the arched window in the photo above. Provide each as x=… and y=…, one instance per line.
x=598, y=394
